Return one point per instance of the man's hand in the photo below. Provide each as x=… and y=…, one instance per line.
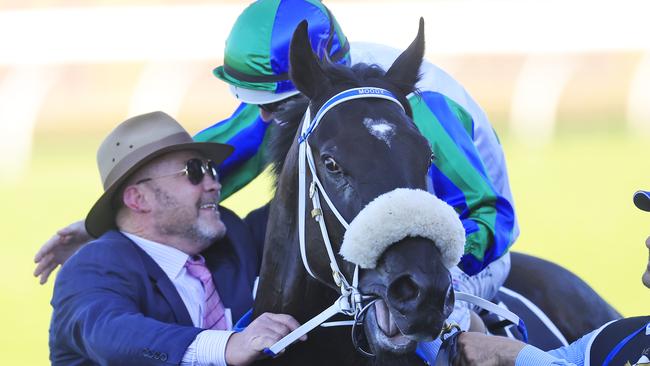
x=59, y=248
x=247, y=346
x=485, y=350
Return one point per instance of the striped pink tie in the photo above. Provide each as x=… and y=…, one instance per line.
x=213, y=312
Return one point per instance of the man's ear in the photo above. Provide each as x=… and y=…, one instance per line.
x=135, y=199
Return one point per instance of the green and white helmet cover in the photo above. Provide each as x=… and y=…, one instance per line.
x=256, y=57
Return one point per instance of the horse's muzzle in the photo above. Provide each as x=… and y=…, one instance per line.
x=416, y=296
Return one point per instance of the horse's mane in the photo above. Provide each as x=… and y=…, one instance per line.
x=290, y=114
x=283, y=133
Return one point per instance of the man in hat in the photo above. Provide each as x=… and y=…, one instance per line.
x=165, y=278
x=620, y=342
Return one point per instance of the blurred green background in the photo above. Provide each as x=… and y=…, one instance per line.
x=573, y=122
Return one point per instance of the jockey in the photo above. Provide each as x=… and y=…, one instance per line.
x=619, y=342
x=470, y=171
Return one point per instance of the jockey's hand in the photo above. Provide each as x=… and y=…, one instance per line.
x=59, y=248
x=247, y=346
x=485, y=350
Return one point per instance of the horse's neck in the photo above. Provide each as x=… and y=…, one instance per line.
x=285, y=286
x=284, y=283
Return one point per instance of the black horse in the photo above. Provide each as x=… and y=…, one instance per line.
x=410, y=278
x=355, y=167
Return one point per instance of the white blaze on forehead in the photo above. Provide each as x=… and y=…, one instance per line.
x=381, y=129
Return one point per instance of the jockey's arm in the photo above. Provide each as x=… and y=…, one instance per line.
x=247, y=132
x=459, y=177
x=59, y=248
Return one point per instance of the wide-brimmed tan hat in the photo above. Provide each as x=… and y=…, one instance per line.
x=132, y=144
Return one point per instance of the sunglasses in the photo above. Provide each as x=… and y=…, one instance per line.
x=195, y=170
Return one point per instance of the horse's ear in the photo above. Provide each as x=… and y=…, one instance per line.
x=405, y=71
x=305, y=70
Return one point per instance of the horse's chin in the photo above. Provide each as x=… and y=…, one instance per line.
x=383, y=334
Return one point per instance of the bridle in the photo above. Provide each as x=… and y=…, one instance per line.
x=316, y=189
x=351, y=301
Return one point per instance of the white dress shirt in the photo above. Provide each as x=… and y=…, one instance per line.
x=209, y=346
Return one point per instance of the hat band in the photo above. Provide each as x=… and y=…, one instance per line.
x=139, y=155
x=281, y=77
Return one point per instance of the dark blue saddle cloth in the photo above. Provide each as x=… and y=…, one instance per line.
x=542, y=333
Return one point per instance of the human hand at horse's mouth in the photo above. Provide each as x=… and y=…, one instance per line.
x=247, y=346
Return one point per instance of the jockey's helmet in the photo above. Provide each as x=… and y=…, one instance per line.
x=256, y=57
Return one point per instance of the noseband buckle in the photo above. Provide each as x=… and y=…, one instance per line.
x=448, y=329
x=316, y=213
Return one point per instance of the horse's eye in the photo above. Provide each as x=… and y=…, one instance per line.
x=432, y=158
x=331, y=164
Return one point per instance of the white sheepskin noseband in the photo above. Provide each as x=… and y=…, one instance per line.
x=398, y=214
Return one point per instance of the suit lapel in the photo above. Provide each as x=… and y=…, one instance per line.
x=225, y=277
x=166, y=287
x=170, y=294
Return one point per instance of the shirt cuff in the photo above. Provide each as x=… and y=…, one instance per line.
x=208, y=349
x=532, y=356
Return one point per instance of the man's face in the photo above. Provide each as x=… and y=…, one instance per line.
x=646, y=274
x=181, y=209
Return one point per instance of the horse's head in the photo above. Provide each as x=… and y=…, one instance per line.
x=369, y=150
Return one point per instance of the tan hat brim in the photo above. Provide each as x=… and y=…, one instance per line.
x=101, y=216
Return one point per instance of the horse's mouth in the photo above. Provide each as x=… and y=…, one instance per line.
x=385, y=319
x=384, y=334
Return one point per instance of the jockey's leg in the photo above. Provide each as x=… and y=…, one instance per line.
x=484, y=284
x=476, y=323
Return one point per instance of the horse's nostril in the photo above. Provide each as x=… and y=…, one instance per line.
x=403, y=289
